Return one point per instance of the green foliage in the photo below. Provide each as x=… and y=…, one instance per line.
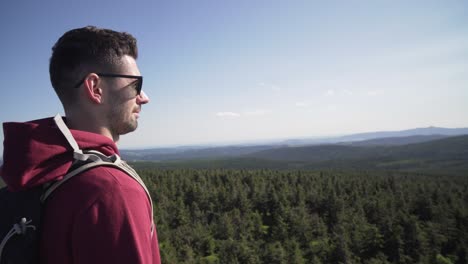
x=272, y=216
x=211, y=259
x=442, y=260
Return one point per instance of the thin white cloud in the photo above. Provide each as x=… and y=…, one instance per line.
x=375, y=92
x=228, y=114
x=330, y=92
x=276, y=88
x=302, y=104
x=332, y=107
x=257, y=112
x=273, y=87
x=347, y=92
x=340, y=92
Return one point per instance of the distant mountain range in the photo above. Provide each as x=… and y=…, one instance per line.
x=394, y=141
x=428, y=131
x=455, y=147
x=388, y=138
x=447, y=156
x=190, y=154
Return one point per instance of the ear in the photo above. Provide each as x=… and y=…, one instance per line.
x=93, y=90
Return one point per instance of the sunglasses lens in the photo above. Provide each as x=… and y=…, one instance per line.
x=137, y=86
x=140, y=85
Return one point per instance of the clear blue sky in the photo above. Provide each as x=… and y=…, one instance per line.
x=233, y=71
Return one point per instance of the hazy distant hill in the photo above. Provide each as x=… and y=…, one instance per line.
x=395, y=141
x=364, y=139
x=442, y=155
x=410, y=132
x=446, y=148
x=382, y=134
x=189, y=154
x=448, y=156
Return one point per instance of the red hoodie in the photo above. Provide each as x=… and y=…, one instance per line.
x=100, y=216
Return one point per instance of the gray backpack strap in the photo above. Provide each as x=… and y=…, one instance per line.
x=77, y=152
x=91, y=159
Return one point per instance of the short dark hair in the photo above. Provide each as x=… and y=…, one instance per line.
x=84, y=50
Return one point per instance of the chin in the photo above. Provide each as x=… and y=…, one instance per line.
x=128, y=127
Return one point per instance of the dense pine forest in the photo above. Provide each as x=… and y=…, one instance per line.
x=285, y=216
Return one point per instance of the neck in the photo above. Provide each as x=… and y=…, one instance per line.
x=80, y=120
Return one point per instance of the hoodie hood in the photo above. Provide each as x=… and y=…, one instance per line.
x=37, y=152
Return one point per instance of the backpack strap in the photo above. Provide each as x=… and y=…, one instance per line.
x=88, y=159
x=77, y=152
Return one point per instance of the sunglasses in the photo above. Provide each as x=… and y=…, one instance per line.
x=138, y=82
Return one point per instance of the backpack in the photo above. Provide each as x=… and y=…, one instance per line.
x=20, y=216
x=20, y=222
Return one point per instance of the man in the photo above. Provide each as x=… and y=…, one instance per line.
x=101, y=215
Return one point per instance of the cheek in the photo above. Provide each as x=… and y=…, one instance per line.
x=128, y=107
x=121, y=104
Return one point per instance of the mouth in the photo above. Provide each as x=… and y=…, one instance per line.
x=137, y=113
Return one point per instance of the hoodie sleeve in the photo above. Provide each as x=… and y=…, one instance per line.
x=116, y=228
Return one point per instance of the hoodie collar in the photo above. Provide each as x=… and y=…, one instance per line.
x=37, y=152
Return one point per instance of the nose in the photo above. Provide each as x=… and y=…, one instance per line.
x=142, y=98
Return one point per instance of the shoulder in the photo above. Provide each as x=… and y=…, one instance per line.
x=103, y=185
x=103, y=178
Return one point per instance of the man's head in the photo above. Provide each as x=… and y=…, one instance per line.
x=95, y=75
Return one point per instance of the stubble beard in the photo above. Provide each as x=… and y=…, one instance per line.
x=121, y=120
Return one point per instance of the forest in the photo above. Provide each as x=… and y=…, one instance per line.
x=398, y=204
x=300, y=216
